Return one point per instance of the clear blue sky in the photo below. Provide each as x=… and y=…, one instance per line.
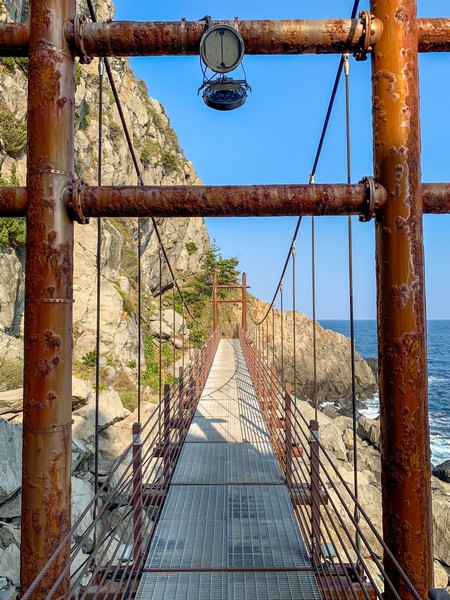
x=273, y=139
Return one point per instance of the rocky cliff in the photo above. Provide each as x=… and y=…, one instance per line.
x=162, y=163
x=333, y=358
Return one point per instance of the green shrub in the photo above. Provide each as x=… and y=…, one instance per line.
x=149, y=150
x=12, y=229
x=127, y=304
x=13, y=133
x=131, y=364
x=89, y=359
x=169, y=161
x=191, y=248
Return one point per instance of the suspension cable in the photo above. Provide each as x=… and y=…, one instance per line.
x=318, y=152
x=133, y=154
x=346, y=64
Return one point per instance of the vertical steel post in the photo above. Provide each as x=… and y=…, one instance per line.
x=288, y=433
x=137, y=497
x=166, y=426
x=315, y=491
x=244, y=302
x=405, y=441
x=47, y=414
x=181, y=404
x=215, y=309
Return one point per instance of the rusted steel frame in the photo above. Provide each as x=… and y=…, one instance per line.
x=13, y=201
x=137, y=497
x=47, y=411
x=244, y=302
x=434, y=35
x=315, y=492
x=124, y=38
x=436, y=198
x=405, y=439
x=14, y=39
x=215, y=307
x=222, y=201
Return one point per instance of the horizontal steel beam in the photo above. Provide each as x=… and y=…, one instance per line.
x=329, y=36
x=223, y=201
x=436, y=198
x=269, y=200
x=261, y=37
x=13, y=201
x=434, y=35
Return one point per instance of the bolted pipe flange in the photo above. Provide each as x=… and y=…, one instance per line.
x=72, y=199
x=78, y=26
x=375, y=198
x=365, y=43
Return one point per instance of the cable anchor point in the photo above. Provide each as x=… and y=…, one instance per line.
x=78, y=41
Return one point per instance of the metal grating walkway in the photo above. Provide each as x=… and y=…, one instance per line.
x=227, y=529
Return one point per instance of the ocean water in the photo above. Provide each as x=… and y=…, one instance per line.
x=438, y=376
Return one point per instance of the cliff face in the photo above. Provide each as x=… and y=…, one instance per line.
x=162, y=163
x=333, y=354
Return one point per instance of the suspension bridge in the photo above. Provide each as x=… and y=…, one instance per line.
x=226, y=490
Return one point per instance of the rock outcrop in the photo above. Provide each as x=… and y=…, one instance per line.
x=333, y=364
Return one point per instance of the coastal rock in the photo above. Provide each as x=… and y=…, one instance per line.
x=11, y=401
x=82, y=494
x=111, y=409
x=369, y=429
x=441, y=520
x=10, y=563
x=81, y=392
x=333, y=365
x=442, y=471
x=11, y=459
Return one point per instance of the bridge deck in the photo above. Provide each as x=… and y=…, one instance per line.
x=227, y=529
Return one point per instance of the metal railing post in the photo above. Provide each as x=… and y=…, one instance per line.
x=288, y=433
x=137, y=496
x=167, y=449
x=181, y=403
x=315, y=492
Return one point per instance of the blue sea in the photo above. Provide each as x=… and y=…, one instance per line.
x=438, y=376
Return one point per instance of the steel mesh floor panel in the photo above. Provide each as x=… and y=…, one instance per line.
x=183, y=586
x=262, y=543
x=202, y=463
x=195, y=502
x=217, y=429
x=259, y=501
x=273, y=586
x=253, y=463
x=188, y=545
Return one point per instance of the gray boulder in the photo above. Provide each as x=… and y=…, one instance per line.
x=442, y=471
x=10, y=459
x=369, y=429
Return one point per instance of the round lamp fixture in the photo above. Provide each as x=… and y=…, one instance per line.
x=225, y=94
x=222, y=48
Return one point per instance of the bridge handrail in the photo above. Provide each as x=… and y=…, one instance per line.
x=164, y=433
x=309, y=469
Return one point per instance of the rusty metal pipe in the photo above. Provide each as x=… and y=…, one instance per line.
x=14, y=39
x=124, y=38
x=13, y=201
x=436, y=198
x=47, y=410
x=223, y=201
x=405, y=439
x=434, y=35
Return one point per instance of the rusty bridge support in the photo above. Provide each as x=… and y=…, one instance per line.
x=405, y=438
x=47, y=415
